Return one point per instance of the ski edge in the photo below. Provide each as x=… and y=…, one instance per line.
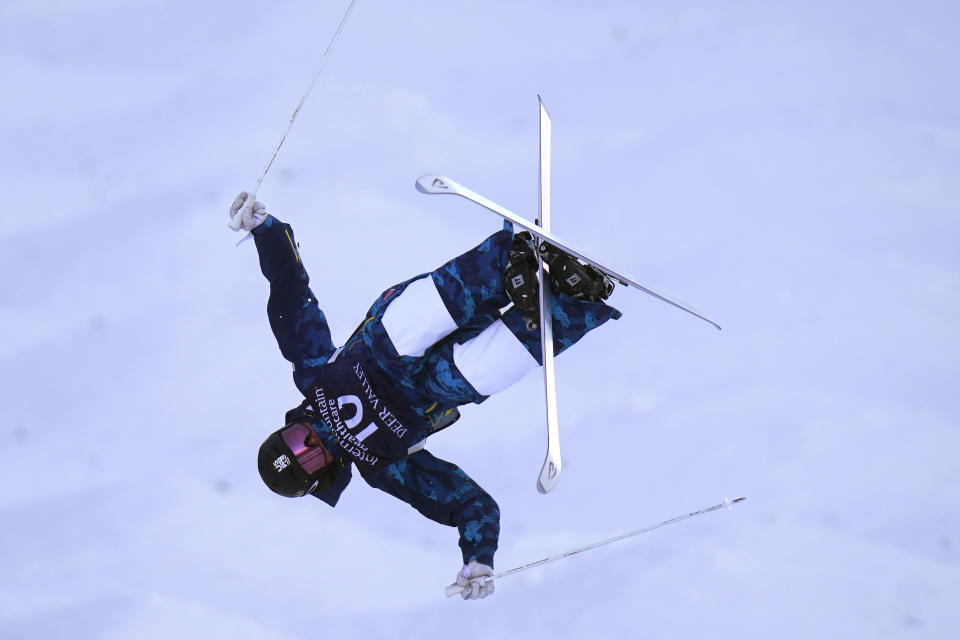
x=552, y=463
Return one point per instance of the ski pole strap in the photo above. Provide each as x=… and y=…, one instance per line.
x=454, y=589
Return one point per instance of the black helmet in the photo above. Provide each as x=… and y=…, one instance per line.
x=293, y=461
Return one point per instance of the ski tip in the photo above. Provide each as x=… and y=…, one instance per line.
x=431, y=184
x=544, y=490
x=549, y=476
x=543, y=105
x=702, y=317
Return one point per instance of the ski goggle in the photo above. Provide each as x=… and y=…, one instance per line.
x=306, y=447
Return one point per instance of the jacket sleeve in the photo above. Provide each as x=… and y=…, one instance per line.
x=298, y=324
x=442, y=492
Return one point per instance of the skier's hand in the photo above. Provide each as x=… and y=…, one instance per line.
x=246, y=213
x=476, y=580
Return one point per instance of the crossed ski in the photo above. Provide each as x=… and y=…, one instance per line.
x=435, y=184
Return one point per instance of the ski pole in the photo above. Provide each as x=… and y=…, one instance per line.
x=236, y=222
x=303, y=99
x=454, y=589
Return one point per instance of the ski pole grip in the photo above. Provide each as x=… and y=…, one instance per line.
x=454, y=588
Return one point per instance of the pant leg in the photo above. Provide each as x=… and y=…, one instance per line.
x=572, y=319
x=461, y=292
x=464, y=294
x=442, y=339
x=411, y=316
x=477, y=362
x=471, y=285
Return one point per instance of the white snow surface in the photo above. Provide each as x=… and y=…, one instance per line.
x=790, y=168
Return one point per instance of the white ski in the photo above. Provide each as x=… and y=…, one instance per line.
x=434, y=184
x=550, y=472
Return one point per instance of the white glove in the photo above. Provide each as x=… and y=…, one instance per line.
x=246, y=213
x=476, y=580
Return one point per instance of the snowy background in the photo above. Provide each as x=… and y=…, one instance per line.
x=789, y=168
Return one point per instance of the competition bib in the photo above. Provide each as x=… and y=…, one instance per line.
x=371, y=422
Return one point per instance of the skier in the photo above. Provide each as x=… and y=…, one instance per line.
x=426, y=346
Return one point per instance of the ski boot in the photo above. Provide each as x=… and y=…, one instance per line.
x=520, y=278
x=574, y=278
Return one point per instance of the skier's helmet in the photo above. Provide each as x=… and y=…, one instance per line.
x=293, y=461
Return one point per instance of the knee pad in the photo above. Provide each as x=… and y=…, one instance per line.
x=493, y=360
x=417, y=318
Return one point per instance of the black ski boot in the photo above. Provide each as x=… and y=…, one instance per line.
x=574, y=278
x=520, y=278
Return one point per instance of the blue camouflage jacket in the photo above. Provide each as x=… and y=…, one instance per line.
x=436, y=488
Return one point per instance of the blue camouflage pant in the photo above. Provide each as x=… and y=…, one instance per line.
x=443, y=340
